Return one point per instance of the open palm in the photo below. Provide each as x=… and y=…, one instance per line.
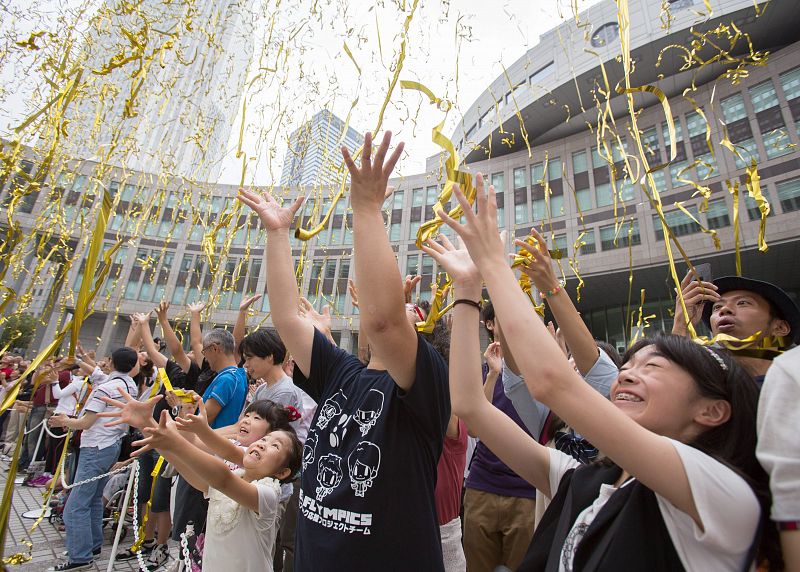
x=273, y=216
x=456, y=261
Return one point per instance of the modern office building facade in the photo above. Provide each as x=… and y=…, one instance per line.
x=172, y=109
x=313, y=157
x=566, y=187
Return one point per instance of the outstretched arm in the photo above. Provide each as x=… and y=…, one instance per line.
x=132, y=339
x=240, y=328
x=578, y=337
x=186, y=457
x=173, y=343
x=647, y=456
x=159, y=359
x=196, y=332
x=381, y=303
x=296, y=332
x=197, y=426
x=497, y=430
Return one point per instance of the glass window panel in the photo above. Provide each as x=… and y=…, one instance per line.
x=608, y=233
x=521, y=212
x=717, y=214
x=733, y=108
x=501, y=217
x=397, y=201
x=498, y=181
x=763, y=96
x=554, y=168
x=519, y=178
x=537, y=173
x=789, y=195
x=584, y=199
x=597, y=160
x=588, y=245
x=678, y=222
x=579, y=164
x=604, y=194
x=695, y=124
x=394, y=231
x=557, y=205
x=539, y=210
x=417, y=197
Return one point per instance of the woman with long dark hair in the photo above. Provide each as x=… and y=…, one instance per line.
x=680, y=488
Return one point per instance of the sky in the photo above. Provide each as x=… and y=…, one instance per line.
x=454, y=47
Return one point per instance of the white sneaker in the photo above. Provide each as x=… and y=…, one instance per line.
x=158, y=557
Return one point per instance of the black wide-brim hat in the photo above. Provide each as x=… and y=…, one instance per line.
x=783, y=304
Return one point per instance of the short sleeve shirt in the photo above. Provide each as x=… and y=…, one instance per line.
x=98, y=435
x=229, y=389
x=369, y=464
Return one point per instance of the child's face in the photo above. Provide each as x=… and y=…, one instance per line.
x=252, y=427
x=267, y=456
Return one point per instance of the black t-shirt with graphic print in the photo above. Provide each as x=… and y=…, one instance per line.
x=369, y=464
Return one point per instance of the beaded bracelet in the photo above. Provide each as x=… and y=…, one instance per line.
x=551, y=293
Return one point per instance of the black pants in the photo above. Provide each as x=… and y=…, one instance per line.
x=189, y=506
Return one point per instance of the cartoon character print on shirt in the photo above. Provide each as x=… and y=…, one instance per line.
x=332, y=407
x=309, y=450
x=370, y=410
x=364, y=462
x=329, y=474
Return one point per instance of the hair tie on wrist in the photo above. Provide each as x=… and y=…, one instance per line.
x=472, y=303
x=551, y=293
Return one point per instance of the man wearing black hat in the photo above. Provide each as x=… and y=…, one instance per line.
x=742, y=307
x=100, y=449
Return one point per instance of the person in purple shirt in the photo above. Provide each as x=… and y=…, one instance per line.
x=499, y=505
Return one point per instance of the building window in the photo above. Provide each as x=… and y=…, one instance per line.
x=605, y=35
x=397, y=200
x=739, y=131
x=543, y=73
x=604, y=194
x=628, y=232
x=717, y=214
x=679, y=223
x=519, y=178
x=586, y=243
x=413, y=228
x=579, y=164
x=789, y=195
x=753, y=213
x=498, y=182
x=770, y=119
x=417, y=197
x=560, y=245
x=790, y=82
x=394, y=231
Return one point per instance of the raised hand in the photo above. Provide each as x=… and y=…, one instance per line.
x=321, y=321
x=540, y=266
x=351, y=287
x=194, y=423
x=695, y=294
x=247, y=302
x=141, y=318
x=131, y=412
x=163, y=436
x=369, y=181
x=161, y=310
x=196, y=307
x=456, y=261
x=479, y=232
x=494, y=357
x=273, y=216
x=409, y=284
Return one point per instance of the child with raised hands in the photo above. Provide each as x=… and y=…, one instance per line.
x=258, y=420
x=241, y=525
x=680, y=487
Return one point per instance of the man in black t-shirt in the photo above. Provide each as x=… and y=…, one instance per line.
x=369, y=463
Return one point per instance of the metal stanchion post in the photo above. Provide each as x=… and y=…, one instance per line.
x=122, y=513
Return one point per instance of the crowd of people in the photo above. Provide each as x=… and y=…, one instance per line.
x=548, y=450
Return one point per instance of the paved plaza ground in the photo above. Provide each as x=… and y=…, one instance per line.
x=48, y=542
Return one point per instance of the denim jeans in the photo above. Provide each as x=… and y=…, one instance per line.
x=83, y=513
